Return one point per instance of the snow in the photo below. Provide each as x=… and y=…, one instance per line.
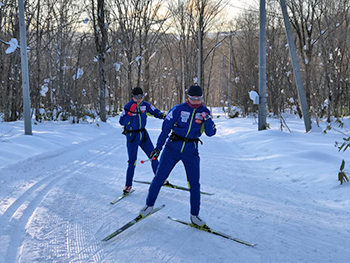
x=13, y=46
x=254, y=96
x=117, y=66
x=272, y=187
x=79, y=74
x=44, y=89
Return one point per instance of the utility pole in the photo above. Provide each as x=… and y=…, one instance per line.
x=296, y=69
x=229, y=94
x=223, y=83
x=262, y=68
x=25, y=74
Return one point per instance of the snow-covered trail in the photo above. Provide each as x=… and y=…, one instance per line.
x=275, y=209
x=58, y=210
x=51, y=212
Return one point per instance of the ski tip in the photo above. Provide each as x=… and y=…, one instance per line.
x=250, y=245
x=106, y=239
x=206, y=193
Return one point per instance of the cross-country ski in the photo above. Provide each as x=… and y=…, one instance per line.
x=131, y=223
x=212, y=231
x=170, y=185
x=122, y=196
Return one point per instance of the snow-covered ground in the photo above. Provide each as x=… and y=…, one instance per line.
x=274, y=188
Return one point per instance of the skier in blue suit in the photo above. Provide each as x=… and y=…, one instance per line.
x=134, y=119
x=187, y=121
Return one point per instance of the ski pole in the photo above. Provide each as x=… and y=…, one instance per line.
x=150, y=159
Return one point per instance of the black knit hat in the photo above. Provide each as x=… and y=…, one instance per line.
x=137, y=91
x=194, y=90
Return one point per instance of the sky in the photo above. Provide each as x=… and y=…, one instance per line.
x=237, y=6
x=276, y=188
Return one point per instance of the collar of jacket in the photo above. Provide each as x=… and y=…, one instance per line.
x=196, y=106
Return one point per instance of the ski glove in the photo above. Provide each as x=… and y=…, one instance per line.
x=162, y=115
x=205, y=116
x=155, y=154
x=132, y=109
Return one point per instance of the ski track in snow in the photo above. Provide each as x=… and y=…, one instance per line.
x=62, y=214
x=17, y=219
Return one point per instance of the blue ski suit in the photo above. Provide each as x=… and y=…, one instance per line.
x=134, y=123
x=187, y=125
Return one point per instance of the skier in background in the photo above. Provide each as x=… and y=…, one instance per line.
x=134, y=119
x=187, y=121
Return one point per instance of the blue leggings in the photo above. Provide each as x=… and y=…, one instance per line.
x=134, y=140
x=169, y=158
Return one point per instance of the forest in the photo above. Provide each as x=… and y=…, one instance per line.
x=85, y=56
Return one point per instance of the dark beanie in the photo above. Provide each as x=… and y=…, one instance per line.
x=137, y=91
x=195, y=90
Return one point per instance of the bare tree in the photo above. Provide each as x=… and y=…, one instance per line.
x=206, y=11
x=304, y=16
x=333, y=47
x=10, y=73
x=280, y=87
x=129, y=44
x=100, y=33
x=150, y=32
x=245, y=61
x=182, y=44
x=192, y=20
x=127, y=15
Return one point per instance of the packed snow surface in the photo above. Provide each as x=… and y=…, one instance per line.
x=275, y=188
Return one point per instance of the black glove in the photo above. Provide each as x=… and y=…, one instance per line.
x=162, y=115
x=205, y=116
x=155, y=154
